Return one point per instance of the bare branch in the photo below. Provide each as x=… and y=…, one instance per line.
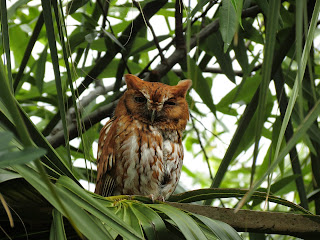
x=155, y=39
x=127, y=36
x=304, y=226
x=218, y=70
x=95, y=117
x=203, y=15
x=81, y=104
x=202, y=147
x=160, y=71
x=179, y=54
x=180, y=42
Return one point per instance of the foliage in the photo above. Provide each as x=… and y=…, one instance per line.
x=61, y=74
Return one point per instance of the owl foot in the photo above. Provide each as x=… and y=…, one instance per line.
x=154, y=200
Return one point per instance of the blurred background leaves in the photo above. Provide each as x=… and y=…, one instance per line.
x=254, y=110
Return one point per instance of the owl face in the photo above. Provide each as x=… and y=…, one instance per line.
x=156, y=103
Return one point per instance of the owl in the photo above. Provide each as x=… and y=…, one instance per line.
x=140, y=149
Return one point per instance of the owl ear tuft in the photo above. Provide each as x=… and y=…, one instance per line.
x=183, y=87
x=132, y=81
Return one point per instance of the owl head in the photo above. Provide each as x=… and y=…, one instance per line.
x=155, y=103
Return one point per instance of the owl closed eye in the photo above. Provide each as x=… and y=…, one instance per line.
x=140, y=149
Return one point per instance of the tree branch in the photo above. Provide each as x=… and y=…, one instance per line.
x=127, y=36
x=93, y=118
x=155, y=39
x=218, y=70
x=179, y=54
x=179, y=39
x=57, y=139
x=298, y=225
x=34, y=210
x=202, y=147
x=81, y=104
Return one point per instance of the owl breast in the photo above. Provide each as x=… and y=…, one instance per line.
x=140, y=150
x=149, y=159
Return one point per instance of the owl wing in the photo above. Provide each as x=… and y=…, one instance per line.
x=106, y=159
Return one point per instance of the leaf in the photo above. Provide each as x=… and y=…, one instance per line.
x=57, y=230
x=95, y=207
x=15, y=6
x=299, y=76
x=215, y=193
x=20, y=157
x=9, y=103
x=240, y=51
x=228, y=23
x=279, y=187
x=213, y=45
x=76, y=208
x=125, y=213
x=184, y=222
x=80, y=219
x=264, y=5
x=222, y=230
x=78, y=39
x=271, y=31
x=56, y=165
x=6, y=175
x=5, y=39
x=40, y=69
x=74, y=5
x=87, y=225
x=56, y=69
x=5, y=139
x=95, y=44
x=201, y=4
x=304, y=126
x=113, y=38
x=151, y=222
x=241, y=94
x=18, y=46
x=142, y=44
x=27, y=53
x=111, y=69
x=238, y=5
x=251, y=33
x=200, y=85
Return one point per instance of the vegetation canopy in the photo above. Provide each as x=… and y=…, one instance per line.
x=252, y=145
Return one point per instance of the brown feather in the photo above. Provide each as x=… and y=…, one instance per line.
x=140, y=149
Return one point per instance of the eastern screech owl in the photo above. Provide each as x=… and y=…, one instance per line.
x=140, y=150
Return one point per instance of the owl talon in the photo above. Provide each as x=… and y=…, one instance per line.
x=154, y=200
x=151, y=196
x=161, y=199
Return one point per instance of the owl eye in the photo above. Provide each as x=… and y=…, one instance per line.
x=170, y=103
x=140, y=99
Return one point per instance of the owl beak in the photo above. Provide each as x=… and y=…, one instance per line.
x=153, y=115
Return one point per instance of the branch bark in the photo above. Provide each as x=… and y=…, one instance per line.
x=20, y=196
x=93, y=118
x=218, y=70
x=127, y=37
x=298, y=225
x=179, y=53
x=57, y=139
x=81, y=104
